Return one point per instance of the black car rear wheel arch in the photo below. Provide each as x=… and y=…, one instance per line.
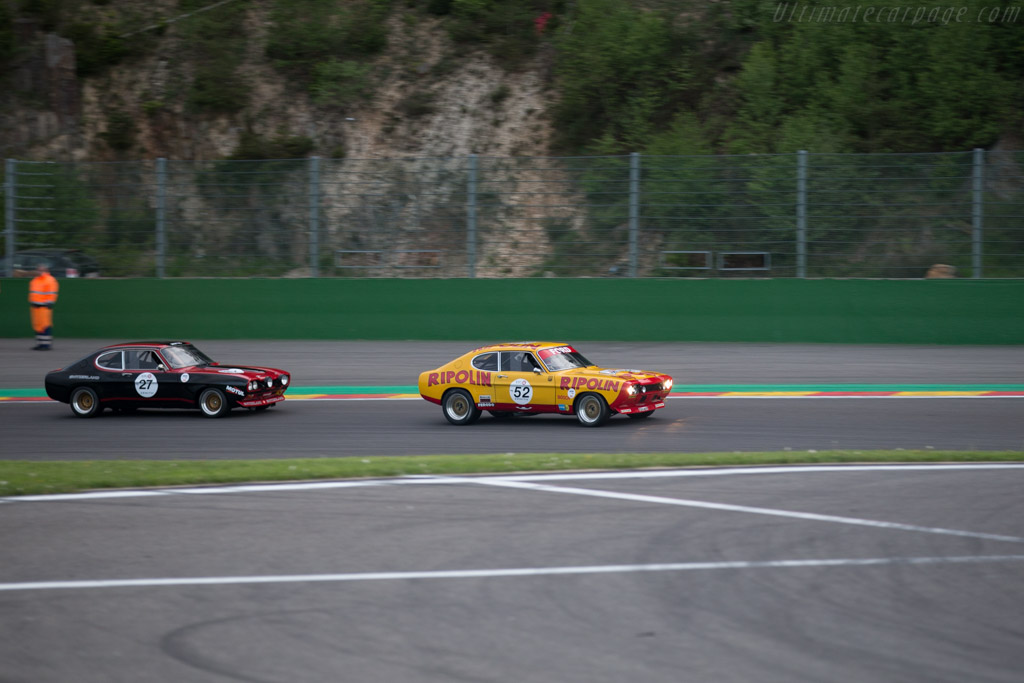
x=85, y=402
x=213, y=402
x=591, y=410
x=459, y=408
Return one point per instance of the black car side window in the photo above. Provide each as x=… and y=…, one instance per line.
x=111, y=361
x=141, y=360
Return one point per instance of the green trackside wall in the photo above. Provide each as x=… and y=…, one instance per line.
x=828, y=311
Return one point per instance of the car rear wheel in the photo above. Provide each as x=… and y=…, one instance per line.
x=213, y=403
x=591, y=410
x=459, y=408
x=84, y=402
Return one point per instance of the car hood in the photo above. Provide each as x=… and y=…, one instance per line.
x=240, y=371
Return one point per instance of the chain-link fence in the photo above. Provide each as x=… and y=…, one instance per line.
x=793, y=215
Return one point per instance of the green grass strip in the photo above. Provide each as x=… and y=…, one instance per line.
x=19, y=478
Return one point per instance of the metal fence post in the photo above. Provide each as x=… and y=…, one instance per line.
x=161, y=217
x=977, y=206
x=314, y=216
x=801, y=213
x=634, y=210
x=9, y=170
x=471, y=216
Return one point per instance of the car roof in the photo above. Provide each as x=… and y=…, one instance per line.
x=519, y=346
x=161, y=344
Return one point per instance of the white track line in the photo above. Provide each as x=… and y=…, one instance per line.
x=499, y=573
x=747, y=509
x=711, y=471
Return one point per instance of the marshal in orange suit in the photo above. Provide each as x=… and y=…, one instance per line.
x=42, y=295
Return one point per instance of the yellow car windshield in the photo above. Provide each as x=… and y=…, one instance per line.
x=563, y=358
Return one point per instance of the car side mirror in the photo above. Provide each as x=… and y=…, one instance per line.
x=537, y=371
x=161, y=367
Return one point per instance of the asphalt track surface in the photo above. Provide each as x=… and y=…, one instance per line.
x=362, y=428
x=774, y=575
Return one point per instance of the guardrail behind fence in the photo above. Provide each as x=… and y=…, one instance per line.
x=788, y=215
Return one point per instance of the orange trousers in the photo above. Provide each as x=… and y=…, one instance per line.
x=42, y=319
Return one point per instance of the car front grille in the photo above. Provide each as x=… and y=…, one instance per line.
x=646, y=390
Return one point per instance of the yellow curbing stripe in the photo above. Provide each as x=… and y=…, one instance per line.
x=312, y=397
x=751, y=394
x=940, y=393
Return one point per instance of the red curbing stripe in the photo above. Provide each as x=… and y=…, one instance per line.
x=336, y=397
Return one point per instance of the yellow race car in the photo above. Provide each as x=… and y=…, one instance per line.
x=540, y=377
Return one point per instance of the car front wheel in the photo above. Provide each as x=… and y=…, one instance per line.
x=591, y=410
x=213, y=403
x=459, y=408
x=84, y=402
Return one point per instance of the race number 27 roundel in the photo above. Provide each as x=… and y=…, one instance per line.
x=146, y=385
x=521, y=391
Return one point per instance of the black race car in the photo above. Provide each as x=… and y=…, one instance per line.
x=168, y=374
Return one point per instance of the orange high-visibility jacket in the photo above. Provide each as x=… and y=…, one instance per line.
x=43, y=290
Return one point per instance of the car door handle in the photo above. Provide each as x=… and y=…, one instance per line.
x=126, y=374
x=502, y=376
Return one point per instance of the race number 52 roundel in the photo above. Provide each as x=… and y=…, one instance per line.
x=521, y=391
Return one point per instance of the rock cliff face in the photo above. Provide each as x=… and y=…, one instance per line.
x=474, y=105
x=43, y=100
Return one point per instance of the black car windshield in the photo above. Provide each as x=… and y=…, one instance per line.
x=563, y=358
x=185, y=356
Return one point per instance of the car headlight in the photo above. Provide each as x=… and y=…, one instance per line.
x=284, y=380
x=270, y=382
x=631, y=389
x=253, y=385
x=668, y=384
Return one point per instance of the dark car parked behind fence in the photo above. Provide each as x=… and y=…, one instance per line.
x=63, y=263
